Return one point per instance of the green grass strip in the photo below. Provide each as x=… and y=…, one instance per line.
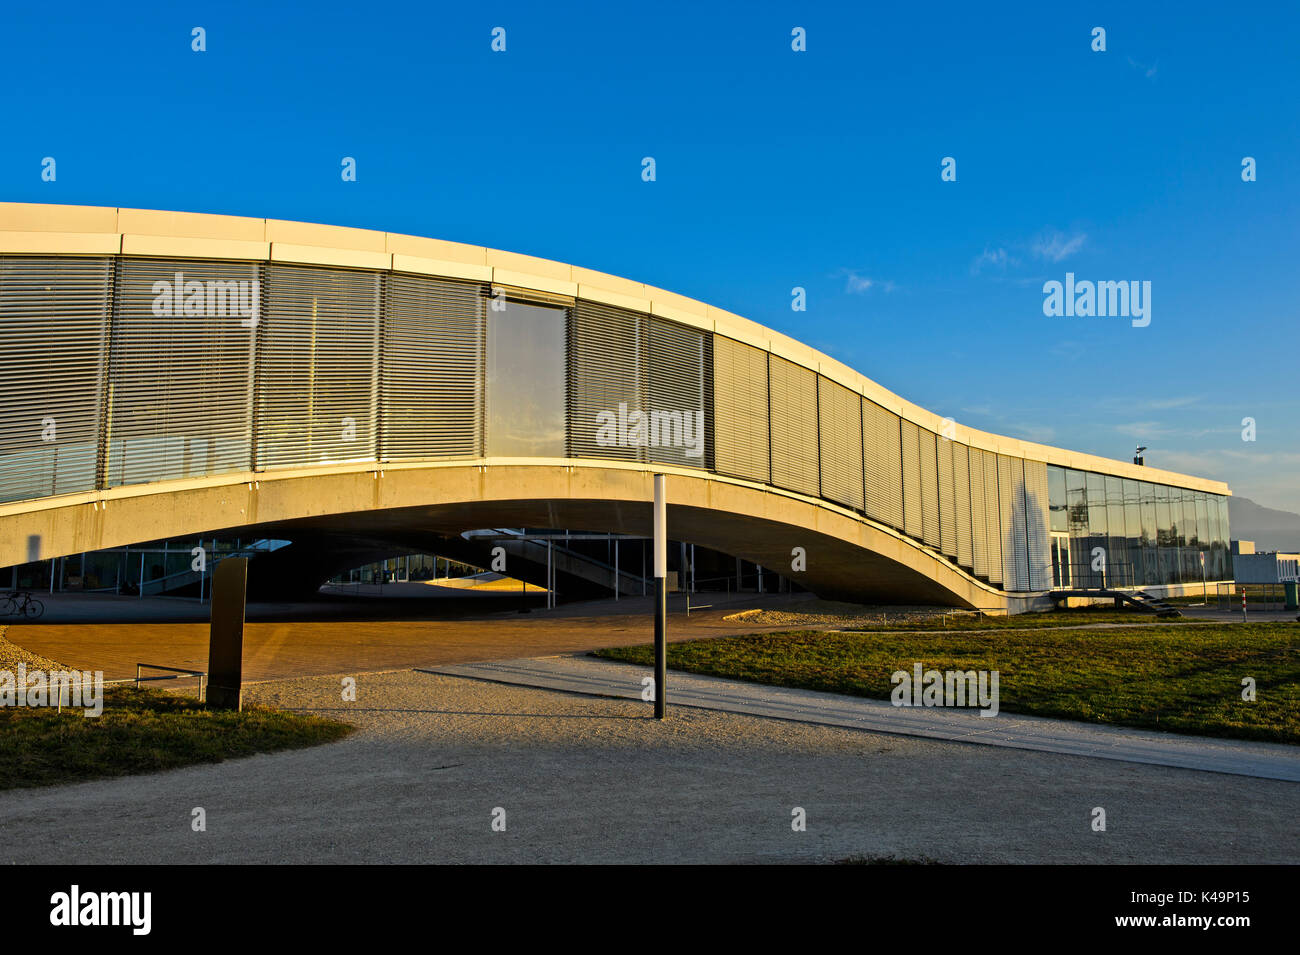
x=1176, y=678
x=143, y=731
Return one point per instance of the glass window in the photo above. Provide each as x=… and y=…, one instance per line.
x=1167, y=539
x=1096, y=505
x=1076, y=496
x=1225, y=554
x=1056, y=502
x=1211, y=532
x=1191, y=538
x=1133, y=530
x=525, y=381
x=1204, y=533
x=1121, y=572
x=1150, y=536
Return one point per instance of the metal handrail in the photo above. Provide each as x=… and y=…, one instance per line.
x=181, y=671
x=68, y=686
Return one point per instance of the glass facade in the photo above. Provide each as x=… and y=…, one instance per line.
x=525, y=382
x=1129, y=533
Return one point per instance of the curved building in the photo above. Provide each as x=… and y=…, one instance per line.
x=167, y=374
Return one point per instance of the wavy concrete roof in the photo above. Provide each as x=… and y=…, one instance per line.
x=38, y=228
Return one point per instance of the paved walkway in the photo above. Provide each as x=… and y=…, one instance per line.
x=358, y=635
x=595, y=677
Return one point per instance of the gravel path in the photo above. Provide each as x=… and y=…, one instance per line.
x=594, y=780
x=11, y=655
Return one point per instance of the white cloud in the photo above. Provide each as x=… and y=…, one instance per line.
x=1144, y=430
x=1167, y=403
x=1055, y=246
x=992, y=258
x=1051, y=245
x=1148, y=71
x=860, y=284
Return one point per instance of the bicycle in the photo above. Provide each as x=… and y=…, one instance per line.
x=21, y=603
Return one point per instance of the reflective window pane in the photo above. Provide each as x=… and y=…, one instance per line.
x=525, y=381
x=1056, y=500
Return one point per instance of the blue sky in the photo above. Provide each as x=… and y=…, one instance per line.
x=775, y=169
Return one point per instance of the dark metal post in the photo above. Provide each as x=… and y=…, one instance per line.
x=661, y=594
x=226, y=643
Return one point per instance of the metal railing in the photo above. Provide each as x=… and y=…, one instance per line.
x=181, y=674
x=65, y=688
x=1258, y=596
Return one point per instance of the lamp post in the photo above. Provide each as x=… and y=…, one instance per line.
x=661, y=592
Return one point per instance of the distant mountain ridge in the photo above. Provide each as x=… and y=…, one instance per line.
x=1268, y=527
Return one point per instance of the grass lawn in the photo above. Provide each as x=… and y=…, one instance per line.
x=143, y=731
x=1183, y=679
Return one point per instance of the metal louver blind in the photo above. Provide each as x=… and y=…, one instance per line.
x=962, y=499
x=1037, y=517
x=840, y=420
x=678, y=386
x=53, y=318
x=607, y=381
x=947, y=506
x=53, y=326
x=929, y=488
x=1011, y=508
x=993, y=517
x=431, y=375
x=317, y=364
x=179, y=399
x=882, y=462
x=740, y=399
x=912, y=523
x=980, y=563
x=794, y=427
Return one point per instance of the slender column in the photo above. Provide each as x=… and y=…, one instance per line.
x=661, y=593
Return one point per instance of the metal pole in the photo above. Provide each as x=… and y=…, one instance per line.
x=616, y=588
x=140, y=593
x=1243, y=604
x=661, y=593
x=549, y=589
